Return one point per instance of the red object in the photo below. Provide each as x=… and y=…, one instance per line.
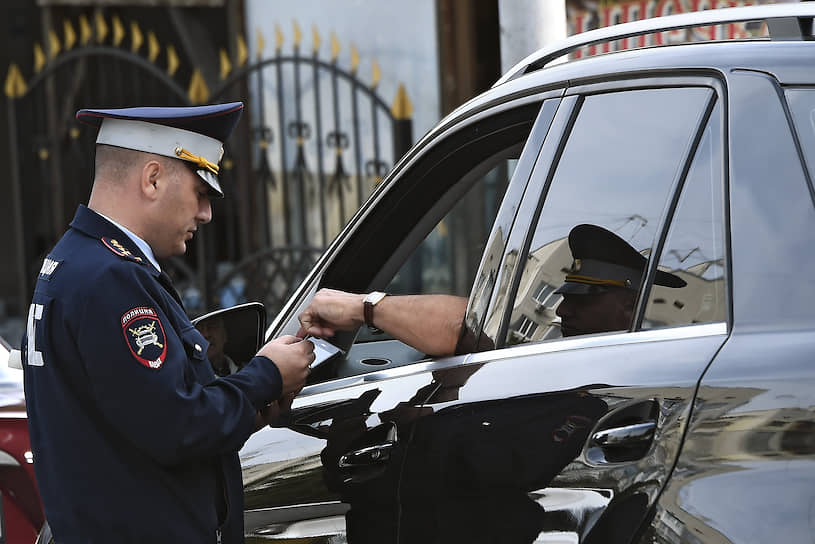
x=22, y=514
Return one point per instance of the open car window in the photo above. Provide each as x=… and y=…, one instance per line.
x=428, y=232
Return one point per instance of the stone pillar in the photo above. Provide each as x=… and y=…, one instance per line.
x=528, y=25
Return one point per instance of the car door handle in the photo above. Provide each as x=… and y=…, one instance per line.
x=625, y=435
x=370, y=455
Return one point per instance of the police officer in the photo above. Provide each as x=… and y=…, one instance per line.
x=134, y=437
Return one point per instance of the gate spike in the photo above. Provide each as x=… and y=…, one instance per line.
x=354, y=59
x=261, y=43
x=198, y=91
x=39, y=58
x=278, y=38
x=118, y=31
x=298, y=36
x=402, y=109
x=315, y=34
x=153, y=47
x=243, y=52
x=54, y=45
x=172, y=61
x=15, y=84
x=375, y=74
x=335, y=47
x=101, y=27
x=70, y=35
x=85, y=31
x=226, y=66
x=136, y=37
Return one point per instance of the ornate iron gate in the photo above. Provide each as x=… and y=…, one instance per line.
x=318, y=137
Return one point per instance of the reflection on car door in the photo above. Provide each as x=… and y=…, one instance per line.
x=342, y=446
x=571, y=439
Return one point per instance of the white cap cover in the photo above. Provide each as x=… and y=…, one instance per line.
x=167, y=141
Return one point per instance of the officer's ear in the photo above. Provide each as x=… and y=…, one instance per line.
x=151, y=177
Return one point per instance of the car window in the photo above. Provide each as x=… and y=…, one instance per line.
x=447, y=259
x=694, y=247
x=610, y=187
x=428, y=233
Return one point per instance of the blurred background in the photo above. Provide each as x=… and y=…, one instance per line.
x=335, y=93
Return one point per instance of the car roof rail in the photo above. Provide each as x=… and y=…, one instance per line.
x=789, y=21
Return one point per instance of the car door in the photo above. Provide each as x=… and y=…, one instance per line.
x=750, y=444
x=331, y=474
x=539, y=437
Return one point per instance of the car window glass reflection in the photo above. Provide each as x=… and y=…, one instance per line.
x=801, y=101
x=215, y=332
x=694, y=248
x=615, y=173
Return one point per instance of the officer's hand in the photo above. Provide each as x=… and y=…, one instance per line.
x=292, y=357
x=331, y=310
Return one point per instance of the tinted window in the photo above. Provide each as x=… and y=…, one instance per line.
x=694, y=248
x=622, y=156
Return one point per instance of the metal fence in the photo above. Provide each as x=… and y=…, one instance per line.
x=317, y=136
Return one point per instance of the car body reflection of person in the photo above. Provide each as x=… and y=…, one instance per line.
x=460, y=469
x=214, y=331
x=599, y=295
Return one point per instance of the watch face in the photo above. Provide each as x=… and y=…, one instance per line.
x=375, y=297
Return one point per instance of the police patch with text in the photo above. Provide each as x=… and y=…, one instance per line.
x=145, y=336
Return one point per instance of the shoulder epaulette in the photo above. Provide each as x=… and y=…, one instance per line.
x=116, y=247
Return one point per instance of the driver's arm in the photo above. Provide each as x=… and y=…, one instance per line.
x=428, y=323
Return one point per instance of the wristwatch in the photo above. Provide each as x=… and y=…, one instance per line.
x=371, y=300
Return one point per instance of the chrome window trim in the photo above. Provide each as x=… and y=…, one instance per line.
x=388, y=374
x=549, y=346
x=602, y=340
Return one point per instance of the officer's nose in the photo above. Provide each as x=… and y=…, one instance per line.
x=204, y=211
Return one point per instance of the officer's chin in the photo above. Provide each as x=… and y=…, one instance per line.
x=182, y=247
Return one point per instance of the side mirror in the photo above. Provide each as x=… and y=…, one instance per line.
x=235, y=334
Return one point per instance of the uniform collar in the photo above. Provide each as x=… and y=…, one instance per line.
x=140, y=243
x=110, y=233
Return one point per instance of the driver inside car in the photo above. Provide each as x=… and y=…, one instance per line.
x=599, y=295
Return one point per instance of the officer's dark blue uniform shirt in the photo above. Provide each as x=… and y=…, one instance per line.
x=134, y=438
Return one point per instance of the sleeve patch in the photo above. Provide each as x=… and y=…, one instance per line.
x=145, y=336
x=49, y=266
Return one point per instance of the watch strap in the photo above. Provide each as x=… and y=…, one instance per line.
x=368, y=310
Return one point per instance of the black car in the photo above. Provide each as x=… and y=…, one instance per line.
x=696, y=424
